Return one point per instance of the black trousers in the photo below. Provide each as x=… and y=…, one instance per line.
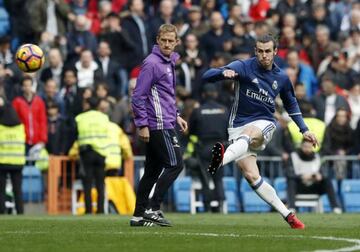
x=295, y=186
x=94, y=169
x=162, y=166
x=15, y=172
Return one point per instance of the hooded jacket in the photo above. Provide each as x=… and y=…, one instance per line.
x=33, y=116
x=8, y=116
x=153, y=101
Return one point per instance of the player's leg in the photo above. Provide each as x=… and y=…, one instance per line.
x=250, y=171
x=87, y=162
x=162, y=185
x=325, y=186
x=147, y=181
x=99, y=175
x=172, y=161
x=249, y=135
x=291, y=191
x=3, y=175
x=16, y=181
x=252, y=136
x=141, y=217
x=151, y=173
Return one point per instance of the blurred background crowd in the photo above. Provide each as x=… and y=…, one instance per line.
x=95, y=48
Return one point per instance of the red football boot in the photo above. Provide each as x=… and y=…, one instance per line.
x=294, y=222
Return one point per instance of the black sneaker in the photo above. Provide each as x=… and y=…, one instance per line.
x=157, y=217
x=216, y=158
x=141, y=222
x=160, y=213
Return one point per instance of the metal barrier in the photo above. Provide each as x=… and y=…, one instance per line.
x=62, y=174
x=60, y=177
x=273, y=166
x=341, y=167
x=60, y=183
x=59, y=193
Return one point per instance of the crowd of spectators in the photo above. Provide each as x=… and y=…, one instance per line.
x=95, y=48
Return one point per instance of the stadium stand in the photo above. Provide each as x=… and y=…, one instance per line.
x=187, y=199
x=182, y=187
x=350, y=193
x=231, y=194
x=280, y=187
x=4, y=22
x=32, y=184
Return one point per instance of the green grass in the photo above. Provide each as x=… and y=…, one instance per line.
x=202, y=232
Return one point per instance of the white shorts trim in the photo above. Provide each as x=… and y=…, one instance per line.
x=267, y=128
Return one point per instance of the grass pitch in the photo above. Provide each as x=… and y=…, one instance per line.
x=201, y=232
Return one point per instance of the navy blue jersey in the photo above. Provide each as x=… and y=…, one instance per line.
x=255, y=91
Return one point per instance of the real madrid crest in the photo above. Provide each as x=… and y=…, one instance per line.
x=274, y=85
x=175, y=141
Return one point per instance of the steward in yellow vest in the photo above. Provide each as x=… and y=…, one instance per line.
x=12, y=154
x=113, y=157
x=12, y=145
x=92, y=128
x=119, y=147
x=92, y=131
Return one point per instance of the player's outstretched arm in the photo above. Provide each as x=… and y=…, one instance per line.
x=213, y=75
x=218, y=74
x=229, y=72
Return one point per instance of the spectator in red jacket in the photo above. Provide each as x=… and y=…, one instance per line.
x=258, y=9
x=32, y=113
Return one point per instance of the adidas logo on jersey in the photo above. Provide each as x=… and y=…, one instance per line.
x=256, y=81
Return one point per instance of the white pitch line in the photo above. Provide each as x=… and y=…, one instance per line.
x=353, y=248
x=330, y=238
x=24, y=232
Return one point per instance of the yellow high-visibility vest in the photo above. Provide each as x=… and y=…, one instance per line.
x=125, y=146
x=12, y=145
x=190, y=148
x=43, y=163
x=113, y=157
x=315, y=125
x=125, y=149
x=92, y=129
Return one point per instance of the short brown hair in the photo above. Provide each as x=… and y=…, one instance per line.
x=26, y=78
x=267, y=38
x=165, y=28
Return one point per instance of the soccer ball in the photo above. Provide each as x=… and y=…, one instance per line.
x=29, y=58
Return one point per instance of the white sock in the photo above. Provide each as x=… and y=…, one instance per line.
x=237, y=149
x=268, y=194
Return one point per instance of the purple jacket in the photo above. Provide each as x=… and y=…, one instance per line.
x=153, y=100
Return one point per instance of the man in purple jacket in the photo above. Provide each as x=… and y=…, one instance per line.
x=156, y=115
